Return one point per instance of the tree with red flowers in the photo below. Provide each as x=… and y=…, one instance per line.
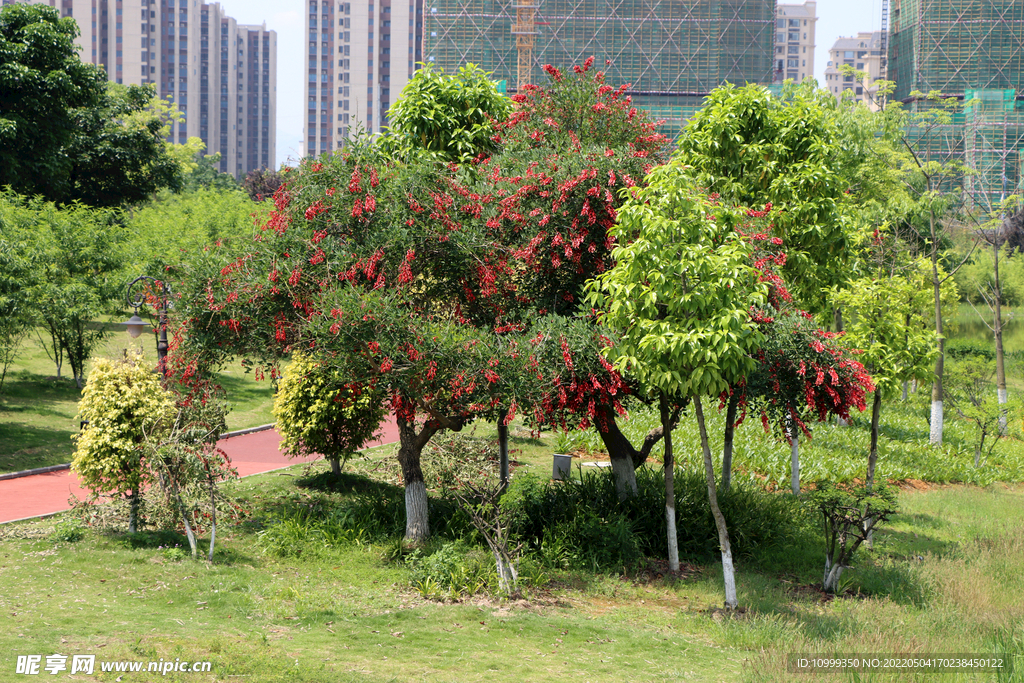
x=567, y=153
x=377, y=270
x=445, y=288
x=803, y=373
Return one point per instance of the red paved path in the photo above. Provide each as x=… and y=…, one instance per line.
x=43, y=494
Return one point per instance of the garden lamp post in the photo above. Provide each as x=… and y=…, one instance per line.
x=135, y=324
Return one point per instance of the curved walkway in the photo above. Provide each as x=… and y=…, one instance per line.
x=38, y=495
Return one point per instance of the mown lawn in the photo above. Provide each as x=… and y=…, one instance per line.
x=946, y=577
x=37, y=409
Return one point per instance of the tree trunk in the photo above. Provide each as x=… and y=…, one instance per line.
x=997, y=330
x=730, y=433
x=336, y=467
x=417, y=523
x=876, y=411
x=837, y=317
x=213, y=518
x=794, y=460
x=624, y=456
x=935, y=435
x=728, y=572
x=184, y=515
x=670, y=492
x=133, y=512
x=832, y=574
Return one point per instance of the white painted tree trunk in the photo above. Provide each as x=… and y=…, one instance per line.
x=832, y=574
x=1002, y=397
x=336, y=467
x=794, y=462
x=935, y=433
x=417, y=521
x=670, y=492
x=728, y=571
x=625, y=477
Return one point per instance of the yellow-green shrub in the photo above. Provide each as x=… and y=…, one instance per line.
x=123, y=402
x=317, y=411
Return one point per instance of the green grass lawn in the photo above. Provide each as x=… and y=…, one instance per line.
x=37, y=410
x=946, y=576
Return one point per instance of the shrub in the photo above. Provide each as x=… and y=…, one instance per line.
x=317, y=411
x=962, y=349
x=582, y=524
x=849, y=515
x=123, y=403
x=451, y=570
x=68, y=530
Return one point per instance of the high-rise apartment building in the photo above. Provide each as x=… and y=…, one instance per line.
x=671, y=53
x=971, y=50
x=862, y=53
x=794, y=41
x=954, y=45
x=361, y=55
x=221, y=75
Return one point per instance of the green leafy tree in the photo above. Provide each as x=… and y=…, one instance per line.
x=678, y=298
x=450, y=117
x=65, y=132
x=43, y=86
x=889, y=321
x=80, y=259
x=752, y=148
x=933, y=179
x=208, y=176
x=123, y=403
x=971, y=396
x=176, y=228
x=119, y=155
x=319, y=412
x=18, y=273
x=71, y=258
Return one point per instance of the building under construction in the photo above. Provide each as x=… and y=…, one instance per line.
x=671, y=52
x=972, y=50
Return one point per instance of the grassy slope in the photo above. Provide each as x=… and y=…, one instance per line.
x=37, y=411
x=948, y=576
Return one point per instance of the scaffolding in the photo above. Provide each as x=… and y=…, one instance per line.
x=993, y=140
x=972, y=50
x=955, y=45
x=524, y=30
x=670, y=52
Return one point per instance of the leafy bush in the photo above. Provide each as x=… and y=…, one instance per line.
x=582, y=524
x=317, y=411
x=453, y=569
x=68, y=530
x=123, y=403
x=961, y=349
x=176, y=554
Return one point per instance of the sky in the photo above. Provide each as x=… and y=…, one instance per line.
x=835, y=18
